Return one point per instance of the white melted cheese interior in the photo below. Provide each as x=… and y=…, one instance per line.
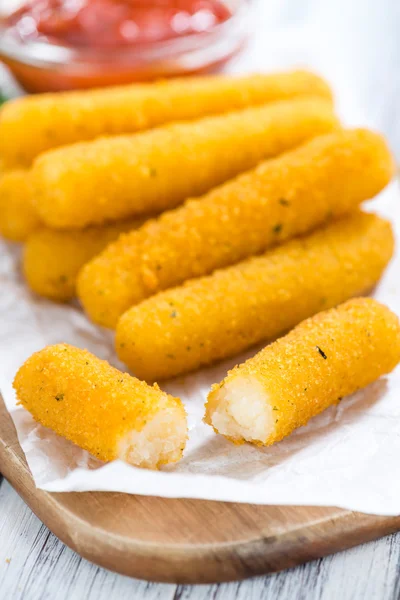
x=242, y=410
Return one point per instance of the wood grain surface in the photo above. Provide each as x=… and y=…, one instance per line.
x=185, y=541
x=35, y=565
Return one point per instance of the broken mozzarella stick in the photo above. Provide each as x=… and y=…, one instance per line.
x=52, y=259
x=104, y=411
x=18, y=218
x=282, y=198
x=118, y=177
x=319, y=362
x=218, y=316
x=33, y=124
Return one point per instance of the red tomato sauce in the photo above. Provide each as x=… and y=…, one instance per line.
x=115, y=23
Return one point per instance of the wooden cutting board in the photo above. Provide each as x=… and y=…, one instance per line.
x=185, y=541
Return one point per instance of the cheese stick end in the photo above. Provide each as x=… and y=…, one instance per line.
x=160, y=442
x=241, y=411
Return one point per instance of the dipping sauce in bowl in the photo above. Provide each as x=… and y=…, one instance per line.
x=112, y=23
x=66, y=44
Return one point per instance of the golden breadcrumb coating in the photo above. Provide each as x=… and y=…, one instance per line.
x=102, y=410
x=18, y=219
x=214, y=317
x=33, y=124
x=281, y=198
x=114, y=178
x=52, y=259
x=323, y=359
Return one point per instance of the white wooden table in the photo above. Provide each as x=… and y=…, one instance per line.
x=34, y=565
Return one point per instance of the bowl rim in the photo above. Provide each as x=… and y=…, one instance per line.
x=39, y=53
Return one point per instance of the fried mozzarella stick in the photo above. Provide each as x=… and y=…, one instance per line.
x=18, y=219
x=31, y=125
x=114, y=178
x=52, y=259
x=214, y=317
x=327, y=177
x=108, y=413
x=323, y=359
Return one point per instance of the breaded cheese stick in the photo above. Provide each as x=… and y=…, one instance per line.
x=52, y=259
x=280, y=199
x=18, y=218
x=323, y=359
x=33, y=124
x=108, y=413
x=214, y=317
x=114, y=178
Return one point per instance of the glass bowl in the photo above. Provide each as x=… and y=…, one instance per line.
x=41, y=66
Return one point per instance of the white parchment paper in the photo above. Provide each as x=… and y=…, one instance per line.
x=348, y=456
